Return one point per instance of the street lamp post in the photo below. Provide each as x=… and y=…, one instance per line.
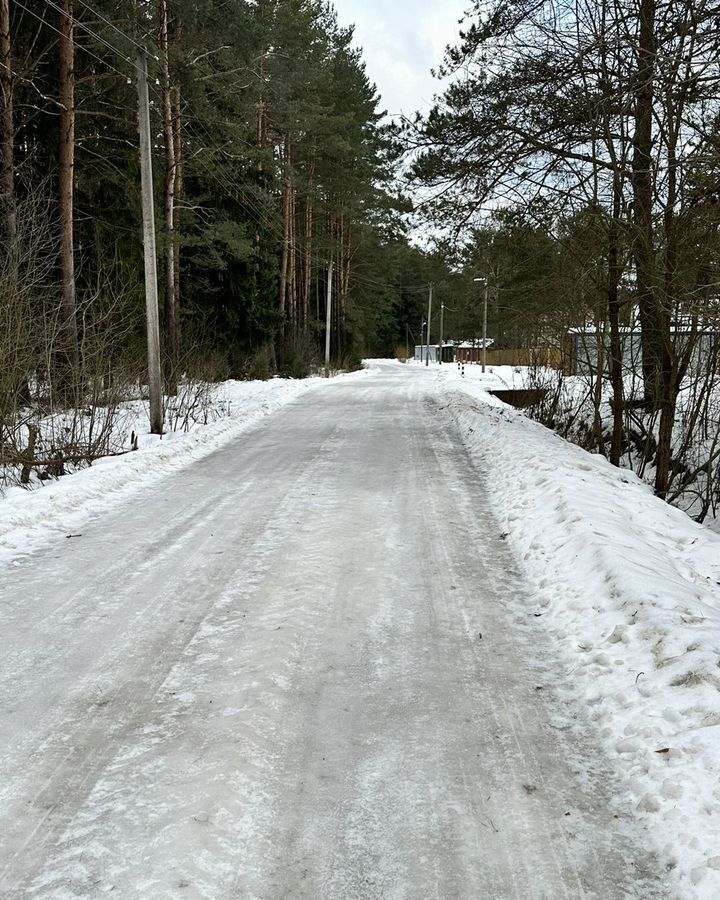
x=442, y=330
x=427, y=331
x=485, y=318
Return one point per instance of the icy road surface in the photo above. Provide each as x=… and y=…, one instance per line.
x=304, y=668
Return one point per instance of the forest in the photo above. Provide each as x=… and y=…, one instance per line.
x=570, y=159
x=270, y=162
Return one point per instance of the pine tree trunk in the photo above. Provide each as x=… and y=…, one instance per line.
x=285, y=252
x=671, y=368
x=598, y=387
x=7, y=172
x=642, y=182
x=337, y=295
x=307, y=262
x=340, y=291
x=659, y=373
x=346, y=251
x=616, y=355
x=68, y=349
x=261, y=11
x=170, y=308
x=286, y=237
x=307, y=266
x=179, y=188
x=663, y=462
x=292, y=266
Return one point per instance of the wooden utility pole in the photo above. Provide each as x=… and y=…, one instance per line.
x=170, y=330
x=328, y=317
x=66, y=179
x=429, y=319
x=148, y=209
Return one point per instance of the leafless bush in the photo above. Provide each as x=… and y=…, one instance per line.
x=25, y=268
x=45, y=431
x=196, y=403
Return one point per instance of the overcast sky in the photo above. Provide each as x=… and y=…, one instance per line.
x=402, y=41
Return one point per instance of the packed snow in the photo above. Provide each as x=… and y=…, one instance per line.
x=625, y=589
x=630, y=588
x=300, y=667
x=28, y=518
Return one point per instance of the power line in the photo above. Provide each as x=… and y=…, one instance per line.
x=45, y=22
x=267, y=219
x=119, y=30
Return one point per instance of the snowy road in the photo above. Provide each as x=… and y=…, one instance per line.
x=304, y=668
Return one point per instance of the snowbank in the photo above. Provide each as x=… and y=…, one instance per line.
x=59, y=507
x=629, y=587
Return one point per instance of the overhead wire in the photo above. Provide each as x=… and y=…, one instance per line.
x=49, y=25
x=268, y=219
x=112, y=25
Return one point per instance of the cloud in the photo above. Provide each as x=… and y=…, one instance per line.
x=402, y=41
x=439, y=26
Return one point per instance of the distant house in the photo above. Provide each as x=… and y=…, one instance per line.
x=472, y=351
x=448, y=352
x=460, y=351
x=585, y=345
x=421, y=352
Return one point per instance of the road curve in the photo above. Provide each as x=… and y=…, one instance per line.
x=303, y=668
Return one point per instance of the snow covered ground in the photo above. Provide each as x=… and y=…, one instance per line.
x=571, y=402
x=404, y=625
x=28, y=518
x=629, y=586
x=302, y=667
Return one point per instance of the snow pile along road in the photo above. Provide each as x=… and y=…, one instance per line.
x=629, y=586
x=59, y=507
